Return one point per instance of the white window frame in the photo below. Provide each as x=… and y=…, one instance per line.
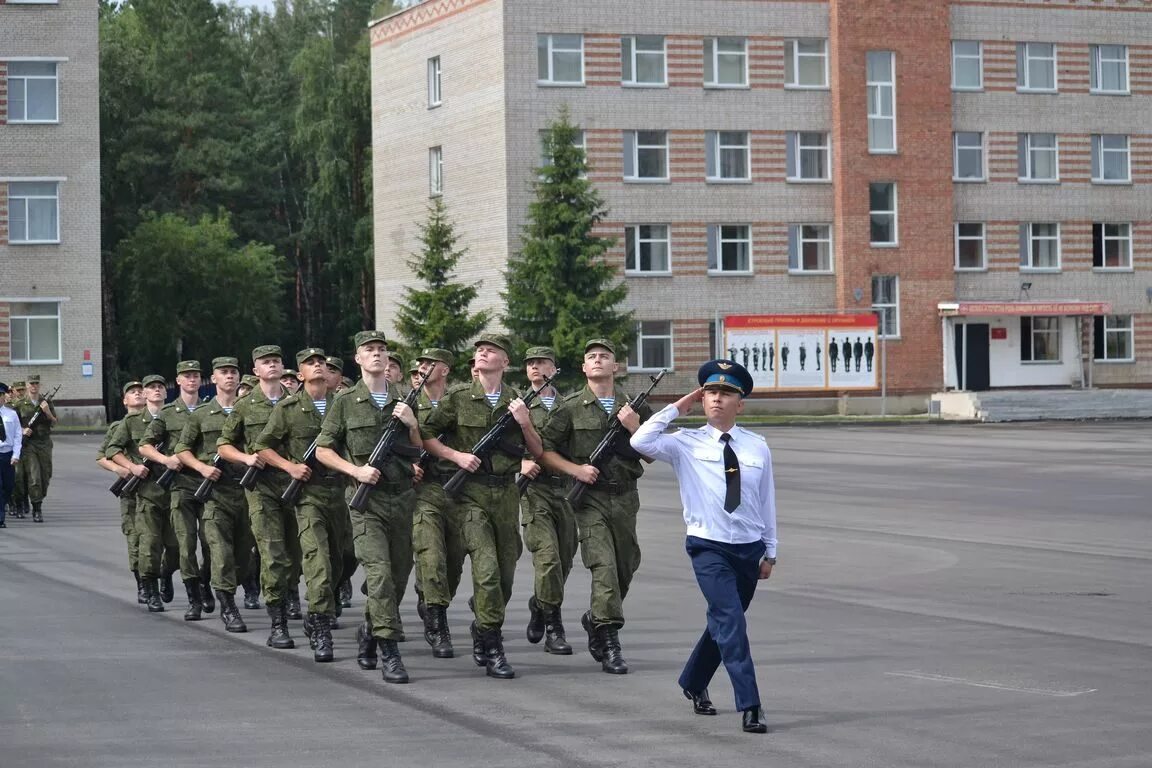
x=633, y=239
x=718, y=249
x=552, y=50
x=798, y=150
x=435, y=94
x=1128, y=329
x=716, y=149
x=982, y=239
x=1033, y=239
x=1099, y=151
x=638, y=348
x=1025, y=56
x=629, y=58
x=14, y=316
x=797, y=267
x=894, y=212
x=792, y=56
x=435, y=171
x=582, y=144
x=712, y=55
x=875, y=97
x=1027, y=177
x=1096, y=62
x=1125, y=241
x=1058, y=331
x=956, y=148
x=25, y=197
x=882, y=307
x=23, y=79
x=979, y=57
x=635, y=178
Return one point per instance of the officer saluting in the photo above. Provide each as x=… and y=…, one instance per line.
x=729, y=498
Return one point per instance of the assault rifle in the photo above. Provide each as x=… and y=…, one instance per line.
x=603, y=451
x=117, y=488
x=385, y=447
x=292, y=492
x=133, y=482
x=248, y=482
x=492, y=439
x=204, y=492
x=39, y=411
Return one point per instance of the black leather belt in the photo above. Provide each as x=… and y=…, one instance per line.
x=613, y=488
x=492, y=481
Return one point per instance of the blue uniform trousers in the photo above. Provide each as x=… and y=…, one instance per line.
x=727, y=575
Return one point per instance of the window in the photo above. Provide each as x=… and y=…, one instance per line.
x=1108, y=68
x=886, y=304
x=882, y=208
x=1036, y=67
x=1038, y=157
x=970, y=245
x=728, y=156
x=1112, y=338
x=881, y=101
x=810, y=248
x=1039, y=339
x=968, y=156
x=1040, y=246
x=808, y=156
x=967, y=65
x=33, y=92
x=1110, y=159
x=806, y=63
x=33, y=212
x=648, y=249
x=1111, y=246
x=435, y=171
x=578, y=141
x=646, y=155
x=653, y=347
x=35, y=332
x=725, y=62
x=642, y=60
x=560, y=59
x=433, y=82
x=730, y=249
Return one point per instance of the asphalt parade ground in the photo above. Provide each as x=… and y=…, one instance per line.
x=946, y=596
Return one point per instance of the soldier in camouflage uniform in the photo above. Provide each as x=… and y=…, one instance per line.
x=489, y=503
x=383, y=531
x=226, y=523
x=549, y=526
x=133, y=401
x=320, y=509
x=606, y=515
x=336, y=384
x=36, y=458
x=186, y=512
x=290, y=381
x=19, y=502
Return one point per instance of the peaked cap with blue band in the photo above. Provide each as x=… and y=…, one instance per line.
x=728, y=374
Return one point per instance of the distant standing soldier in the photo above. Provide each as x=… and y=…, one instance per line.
x=37, y=456
x=18, y=503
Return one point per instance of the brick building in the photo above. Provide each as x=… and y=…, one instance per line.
x=979, y=172
x=50, y=300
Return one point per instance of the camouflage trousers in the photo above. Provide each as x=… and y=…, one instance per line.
x=610, y=550
x=382, y=535
x=128, y=528
x=277, y=540
x=159, y=550
x=322, y=517
x=229, y=535
x=36, y=459
x=490, y=525
x=550, y=535
x=438, y=543
x=187, y=514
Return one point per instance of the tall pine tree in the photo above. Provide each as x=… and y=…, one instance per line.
x=560, y=290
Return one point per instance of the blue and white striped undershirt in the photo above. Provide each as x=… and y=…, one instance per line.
x=380, y=398
x=493, y=398
x=548, y=400
x=226, y=409
x=321, y=405
x=608, y=402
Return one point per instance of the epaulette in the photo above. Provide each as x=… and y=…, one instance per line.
x=572, y=397
x=458, y=388
x=289, y=400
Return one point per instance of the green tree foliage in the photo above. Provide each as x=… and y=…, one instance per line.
x=436, y=315
x=191, y=290
x=560, y=290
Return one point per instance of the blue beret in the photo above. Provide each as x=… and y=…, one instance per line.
x=728, y=374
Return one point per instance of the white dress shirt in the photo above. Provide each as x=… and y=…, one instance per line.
x=14, y=433
x=697, y=455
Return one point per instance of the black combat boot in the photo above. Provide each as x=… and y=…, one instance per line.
x=37, y=512
x=279, y=637
x=344, y=594
x=322, y=637
x=152, y=595
x=140, y=598
x=494, y=659
x=252, y=593
x=393, y=665
x=441, y=641
x=229, y=613
x=535, y=621
x=167, y=591
x=195, y=604
x=365, y=647
x=613, y=662
x=292, y=604
x=206, y=595
x=477, y=646
x=595, y=641
x=554, y=639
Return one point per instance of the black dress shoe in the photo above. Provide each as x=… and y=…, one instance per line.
x=754, y=721
x=701, y=704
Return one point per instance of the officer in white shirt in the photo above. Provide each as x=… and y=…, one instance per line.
x=11, y=442
x=729, y=497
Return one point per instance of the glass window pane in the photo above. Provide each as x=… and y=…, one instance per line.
x=881, y=229
x=881, y=197
x=567, y=67
x=811, y=70
x=43, y=339
x=42, y=223
x=879, y=66
x=542, y=57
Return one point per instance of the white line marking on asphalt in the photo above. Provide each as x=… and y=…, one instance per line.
x=989, y=684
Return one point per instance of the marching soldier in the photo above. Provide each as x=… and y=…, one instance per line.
x=607, y=515
x=383, y=531
x=11, y=443
x=549, y=526
x=186, y=511
x=37, y=455
x=337, y=383
x=273, y=520
x=158, y=552
x=394, y=372
x=290, y=381
x=488, y=501
x=19, y=500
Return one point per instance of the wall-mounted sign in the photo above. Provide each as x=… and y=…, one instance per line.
x=797, y=352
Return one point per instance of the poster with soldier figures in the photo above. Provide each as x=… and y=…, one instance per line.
x=805, y=352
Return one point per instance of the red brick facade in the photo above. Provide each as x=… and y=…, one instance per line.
x=5, y=330
x=3, y=89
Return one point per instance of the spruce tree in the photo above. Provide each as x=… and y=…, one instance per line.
x=560, y=290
